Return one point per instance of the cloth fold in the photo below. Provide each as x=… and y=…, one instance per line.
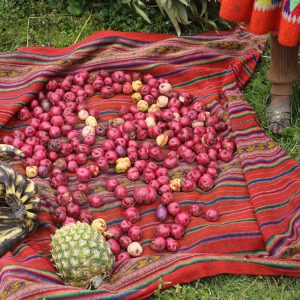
x=256, y=193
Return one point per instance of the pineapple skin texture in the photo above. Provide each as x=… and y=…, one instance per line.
x=80, y=254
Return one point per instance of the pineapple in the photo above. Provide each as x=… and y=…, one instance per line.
x=81, y=255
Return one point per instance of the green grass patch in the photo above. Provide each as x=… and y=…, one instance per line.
x=233, y=287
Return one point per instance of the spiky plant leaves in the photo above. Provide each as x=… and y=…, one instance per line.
x=180, y=12
x=204, y=8
x=141, y=12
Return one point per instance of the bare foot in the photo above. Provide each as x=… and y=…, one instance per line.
x=278, y=113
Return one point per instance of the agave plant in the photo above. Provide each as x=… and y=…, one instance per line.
x=182, y=11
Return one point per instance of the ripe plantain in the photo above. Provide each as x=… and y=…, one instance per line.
x=30, y=191
x=2, y=190
x=23, y=185
x=18, y=197
x=7, y=152
x=7, y=216
x=2, y=195
x=13, y=233
x=20, y=183
x=34, y=203
x=8, y=177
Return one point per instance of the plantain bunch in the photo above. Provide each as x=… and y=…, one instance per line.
x=18, y=200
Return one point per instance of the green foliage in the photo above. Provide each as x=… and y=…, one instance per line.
x=204, y=13
x=74, y=8
x=233, y=287
x=139, y=6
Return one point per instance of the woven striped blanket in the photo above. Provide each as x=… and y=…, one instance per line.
x=257, y=193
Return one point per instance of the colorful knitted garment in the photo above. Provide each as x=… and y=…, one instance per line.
x=282, y=16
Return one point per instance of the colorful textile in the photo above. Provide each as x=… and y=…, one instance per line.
x=282, y=16
x=257, y=193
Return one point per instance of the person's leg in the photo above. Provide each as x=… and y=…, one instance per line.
x=282, y=73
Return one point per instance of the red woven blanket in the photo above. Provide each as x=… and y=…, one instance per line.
x=257, y=193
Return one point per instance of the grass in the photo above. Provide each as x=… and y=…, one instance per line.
x=233, y=287
x=48, y=23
